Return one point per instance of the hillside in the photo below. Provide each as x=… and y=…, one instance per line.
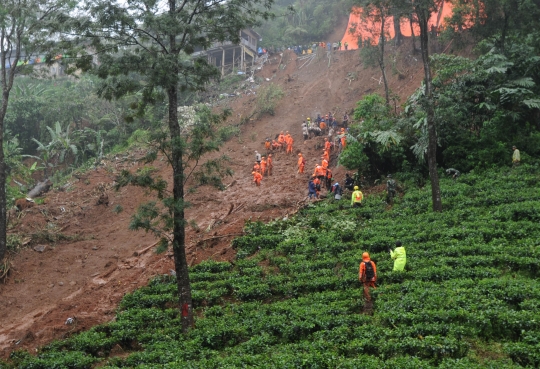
x=467, y=299
x=89, y=262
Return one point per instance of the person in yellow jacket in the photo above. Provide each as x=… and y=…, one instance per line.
x=357, y=197
x=516, y=157
x=399, y=256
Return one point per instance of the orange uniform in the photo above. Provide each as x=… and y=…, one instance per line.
x=319, y=171
x=327, y=145
x=322, y=126
x=257, y=168
x=257, y=177
x=363, y=277
x=343, y=142
x=263, y=166
x=324, y=165
x=289, y=140
x=317, y=183
x=326, y=156
x=301, y=163
x=281, y=140
x=270, y=165
x=267, y=145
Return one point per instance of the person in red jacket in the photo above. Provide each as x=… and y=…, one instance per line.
x=367, y=274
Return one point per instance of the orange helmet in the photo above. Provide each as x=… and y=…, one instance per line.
x=253, y=172
x=326, y=139
x=299, y=154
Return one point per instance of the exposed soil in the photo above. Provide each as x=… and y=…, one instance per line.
x=85, y=276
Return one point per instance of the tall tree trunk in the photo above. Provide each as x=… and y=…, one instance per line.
x=414, y=49
x=423, y=16
x=397, y=30
x=179, y=232
x=382, y=40
x=3, y=202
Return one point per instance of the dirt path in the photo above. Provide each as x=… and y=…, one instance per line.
x=85, y=275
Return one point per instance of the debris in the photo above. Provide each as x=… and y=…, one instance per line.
x=172, y=272
x=69, y=321
x=40, y=189
x=72, y=283
x=60, y=283
x=40, y=248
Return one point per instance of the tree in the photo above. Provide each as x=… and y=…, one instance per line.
x=25, y=29
x=423, y=10
x=153, y=41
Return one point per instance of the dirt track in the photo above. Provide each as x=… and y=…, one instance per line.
x=86, y=278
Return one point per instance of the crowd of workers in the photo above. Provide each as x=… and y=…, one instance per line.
x=306, y=49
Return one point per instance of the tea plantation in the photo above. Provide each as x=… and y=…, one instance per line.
x=469, y=298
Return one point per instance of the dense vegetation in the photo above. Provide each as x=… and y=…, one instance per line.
x=310, y=21
x=468, y=298
x=482, y=108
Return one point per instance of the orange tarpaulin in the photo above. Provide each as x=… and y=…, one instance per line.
x=371, y=30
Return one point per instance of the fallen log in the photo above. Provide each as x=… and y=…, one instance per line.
x=39, y=189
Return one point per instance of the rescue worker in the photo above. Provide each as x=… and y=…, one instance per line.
x=324, y=163
x=328, y=178
x=269, y=164
x=257, y=157
x=312, y=192
x=257, y=177
x=343, y=141
x=322, y=126
x=367, y=274
x=399, y=256
x=289, y=140
x=356, y=198
x=390, y=189
x=349, y=182
x=318, y=172
x=257, y=168
x=317, y=182
x=275, y=145
x=305, y=131
x=453, y=172
x=516, y=158
x=281, y=140
x=267, y=145
x=327, y=144
x=337, y=191
x=263, y=166
x=345, y=122
x=301, y=163
x=326, y=155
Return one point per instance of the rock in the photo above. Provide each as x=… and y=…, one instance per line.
x=94, y=248
x=51, y=285
x=72, y=283
x=40, y=248
x=60, y=283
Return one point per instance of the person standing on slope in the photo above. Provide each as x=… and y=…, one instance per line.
x=516, y=157
x=301, y=163
x=257, y=157
x=269, y=164
x=356, y=198
x=399, y=256
x=263, y=166
x=367, y=274
x=312, y=191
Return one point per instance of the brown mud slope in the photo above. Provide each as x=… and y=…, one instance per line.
x=91, y=259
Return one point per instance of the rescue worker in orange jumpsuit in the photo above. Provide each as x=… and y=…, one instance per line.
x=289, y=140
x=322, y=126
x=324, y=164
x=301, y=163
x=326, y=156
x=257, y=177
x=281, y=140
x=257, y=167
x=367, y=274
x=328, y=178
x=263, y=166
x=267, y=146
x=317, y=183
x=343, y=139
x=270, y=165
x=327, y=145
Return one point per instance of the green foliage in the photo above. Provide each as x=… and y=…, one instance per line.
x=470, y=291
x=267, y=98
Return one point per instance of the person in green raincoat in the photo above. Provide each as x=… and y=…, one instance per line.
x=399, y=256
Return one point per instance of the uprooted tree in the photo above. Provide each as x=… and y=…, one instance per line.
x=145, y=47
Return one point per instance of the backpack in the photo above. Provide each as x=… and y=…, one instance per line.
x=369, y=272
